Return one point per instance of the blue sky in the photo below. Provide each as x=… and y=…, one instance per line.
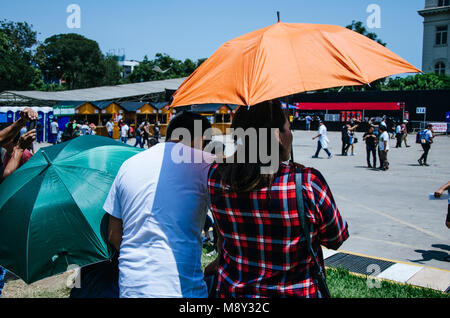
x=196, y=28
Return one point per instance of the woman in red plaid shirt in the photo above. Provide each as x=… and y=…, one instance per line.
x=262, y=251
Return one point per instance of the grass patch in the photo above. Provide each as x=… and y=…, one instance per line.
x=343, y=284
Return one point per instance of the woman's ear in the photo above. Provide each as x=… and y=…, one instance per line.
x=277, y=135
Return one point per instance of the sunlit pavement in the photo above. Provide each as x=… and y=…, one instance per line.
x=388, y=212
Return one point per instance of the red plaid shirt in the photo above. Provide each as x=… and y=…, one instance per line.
x=263, y=251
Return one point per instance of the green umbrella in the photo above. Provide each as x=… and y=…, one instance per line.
x=51, y=212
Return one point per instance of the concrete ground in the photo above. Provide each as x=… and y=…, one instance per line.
x=388, y=212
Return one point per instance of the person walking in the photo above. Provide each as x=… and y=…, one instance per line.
x=398, y=135
x=156, y=131
x=54, y=129
x=426, y=141
x=146, y=135
x=405, y=133
x=157, y=207
x=139, y=136
x=323, y=140
x=344, y=138
x=383, y=148
x=308, y=122
x=124, y=133
x=371, y=146
x=263, y=249
x=110, y=127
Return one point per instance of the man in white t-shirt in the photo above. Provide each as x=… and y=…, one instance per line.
x=383, y=148
x=54, y=129
x=157, y=206
x=323, y=140
x=124, y=133
x=110, y=127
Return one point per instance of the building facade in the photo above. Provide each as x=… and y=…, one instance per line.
x=436, y=50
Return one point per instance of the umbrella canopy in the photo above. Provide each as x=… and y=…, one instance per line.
x=285, y=59
x=51, y=212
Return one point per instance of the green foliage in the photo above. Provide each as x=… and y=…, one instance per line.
x=17, y=71
x=359, y=27
x=428, y=81
x=112, y=70
x=163, y=67
x=73, y=57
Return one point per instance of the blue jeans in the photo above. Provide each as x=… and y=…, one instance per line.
x=54, y=138
x=139, y=142
x=123, y=139
x=319, y=147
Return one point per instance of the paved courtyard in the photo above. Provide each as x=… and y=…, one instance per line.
x=389, y=213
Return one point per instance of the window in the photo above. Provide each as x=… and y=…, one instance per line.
x=441, y=35
x=439, y=68
x=443, y=3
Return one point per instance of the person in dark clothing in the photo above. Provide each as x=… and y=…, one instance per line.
x=398, y=135
x=344, y=138
x=139, y=136
x=99, y=280
x=426, y=141
x=156, y=130
x=371, y=146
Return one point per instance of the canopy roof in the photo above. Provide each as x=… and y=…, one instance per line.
x=104, y=93
x=349, y=106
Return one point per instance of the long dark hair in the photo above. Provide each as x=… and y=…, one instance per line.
x=247, y=176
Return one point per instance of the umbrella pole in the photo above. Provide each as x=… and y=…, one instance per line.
x=286, y=100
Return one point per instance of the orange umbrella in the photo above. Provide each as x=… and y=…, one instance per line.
x=285, y=59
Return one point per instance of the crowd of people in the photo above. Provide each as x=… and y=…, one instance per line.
x=376, y=138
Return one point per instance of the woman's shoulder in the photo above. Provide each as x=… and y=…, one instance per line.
x=310, y=175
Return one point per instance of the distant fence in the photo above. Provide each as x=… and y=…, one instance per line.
x=438, y=127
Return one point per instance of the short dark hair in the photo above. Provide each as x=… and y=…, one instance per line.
x=186, y=119
x=382, y=128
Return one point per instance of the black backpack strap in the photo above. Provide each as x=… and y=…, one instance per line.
x=306, y=227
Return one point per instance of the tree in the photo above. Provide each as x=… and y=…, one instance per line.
x=428, y=81
x=112, y=70
x=359, y=27
x=163, y=67
x=73, y=57
x=17, y=71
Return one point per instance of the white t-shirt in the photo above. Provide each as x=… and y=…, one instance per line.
x=323, y=136
x=54, y=127
x=109, y=126
x=84, y=129
x=125, y=129
x=162, y=205
x=383, y=137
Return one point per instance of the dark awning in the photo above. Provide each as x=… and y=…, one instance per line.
x=349, y=106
